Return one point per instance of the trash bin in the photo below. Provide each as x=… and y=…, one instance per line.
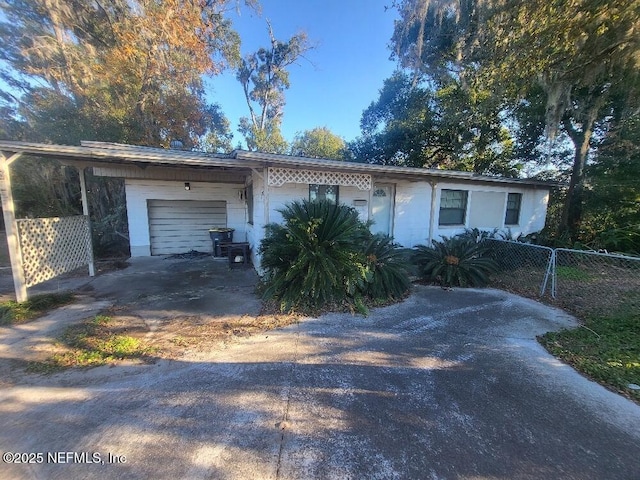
x=218, y=236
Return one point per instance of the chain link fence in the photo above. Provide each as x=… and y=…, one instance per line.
x=593, y=283
x=583, y=282
x=523, y=268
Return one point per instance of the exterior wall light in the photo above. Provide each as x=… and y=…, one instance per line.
x=187, y=186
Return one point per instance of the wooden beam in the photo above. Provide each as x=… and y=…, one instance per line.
x=11, y=227
x=12, y=158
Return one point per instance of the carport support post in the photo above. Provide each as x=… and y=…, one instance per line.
x=85, y=212
x=11, y=227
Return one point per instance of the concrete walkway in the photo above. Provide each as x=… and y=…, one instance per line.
x=447, y=385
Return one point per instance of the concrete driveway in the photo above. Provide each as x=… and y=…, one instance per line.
x=447, y=385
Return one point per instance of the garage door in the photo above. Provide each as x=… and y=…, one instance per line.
x=179, y=226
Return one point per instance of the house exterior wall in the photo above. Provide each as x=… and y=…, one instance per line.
x=486, y=208
x=412, y=213
x=415, y=218
x=279, y=197
x=139, y=191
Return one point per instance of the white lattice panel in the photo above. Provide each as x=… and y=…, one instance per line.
x=280, y=176
x=53, y=246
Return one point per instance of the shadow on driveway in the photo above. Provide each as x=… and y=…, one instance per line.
x=444, y=385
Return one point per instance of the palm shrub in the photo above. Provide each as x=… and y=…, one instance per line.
x=315, y=257
x=455, y=261
x=387, y=269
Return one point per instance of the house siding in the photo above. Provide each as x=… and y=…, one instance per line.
x=532, y=210
x=412, y=213
x=139, y=191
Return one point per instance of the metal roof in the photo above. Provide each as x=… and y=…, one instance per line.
x=104, y=152
x=271, y=159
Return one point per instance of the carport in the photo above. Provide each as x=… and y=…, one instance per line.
x=41, y=249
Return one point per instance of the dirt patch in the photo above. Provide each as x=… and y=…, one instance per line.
x=178, y=336
x=168, y=338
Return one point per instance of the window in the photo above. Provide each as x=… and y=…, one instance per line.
x=249, y=200
x=513, y=209
x=453, y=207
x=323, y=192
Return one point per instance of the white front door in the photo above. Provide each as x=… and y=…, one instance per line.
x=382, y=208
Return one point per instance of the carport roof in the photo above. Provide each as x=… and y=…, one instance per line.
x=90, y=152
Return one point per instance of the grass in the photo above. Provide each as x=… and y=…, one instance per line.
x=572, y=273
x=12, y=312
x=91, y=344
x=605, y=348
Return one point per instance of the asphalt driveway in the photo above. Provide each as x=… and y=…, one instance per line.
x=448, y=384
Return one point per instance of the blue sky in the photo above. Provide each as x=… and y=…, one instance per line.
x=342, y=75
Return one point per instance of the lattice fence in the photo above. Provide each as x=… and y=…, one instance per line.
x=53, y=246
x=280, y=176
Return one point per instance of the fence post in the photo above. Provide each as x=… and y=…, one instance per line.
x=553, y=273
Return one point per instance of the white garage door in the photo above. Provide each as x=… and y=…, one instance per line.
x=179, y=226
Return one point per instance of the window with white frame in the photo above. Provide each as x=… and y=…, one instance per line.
x=323, y=192
x=453, y=207
x=512, y=217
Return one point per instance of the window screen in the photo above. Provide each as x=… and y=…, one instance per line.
x=323, y=192
x=513, y=209
x=453, y=207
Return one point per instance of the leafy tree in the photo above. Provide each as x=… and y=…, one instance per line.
x=264, y=78
x=116, y=70
x=318, y=142
x=612, y=197
x=579, y=58
x=421, y=125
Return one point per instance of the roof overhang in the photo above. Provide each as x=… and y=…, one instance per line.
x=91, y=153
x=386, y=171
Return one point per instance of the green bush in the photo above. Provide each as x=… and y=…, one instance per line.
x=314, y=258
x=457, y=261
x=387, y=268
x=323, y=254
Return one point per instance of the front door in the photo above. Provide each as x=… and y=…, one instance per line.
x=382, y=208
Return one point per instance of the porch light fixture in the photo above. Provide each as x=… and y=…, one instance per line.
x=187, y=186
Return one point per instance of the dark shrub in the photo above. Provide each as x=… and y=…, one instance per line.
x=316, y=257
x=457, y=261
x=323, y=254
x=387, y=266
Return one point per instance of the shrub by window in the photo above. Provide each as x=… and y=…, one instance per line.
x=453, y=207
x=323, y=192
x=513, y=209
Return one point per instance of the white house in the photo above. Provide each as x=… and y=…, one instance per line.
x=173, y=197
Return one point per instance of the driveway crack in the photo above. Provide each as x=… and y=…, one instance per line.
x=284, y=424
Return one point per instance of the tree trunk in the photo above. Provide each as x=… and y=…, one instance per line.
x=572, y=211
